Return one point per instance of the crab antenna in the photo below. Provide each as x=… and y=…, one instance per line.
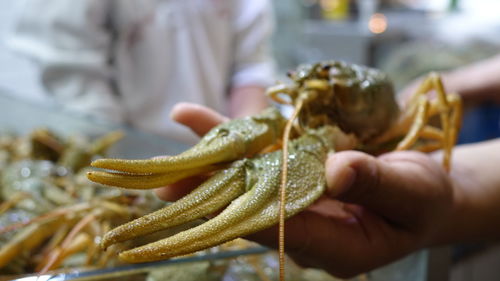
x=284, y=173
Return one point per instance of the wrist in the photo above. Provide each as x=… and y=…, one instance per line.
x=475, y=210
x=454, y=227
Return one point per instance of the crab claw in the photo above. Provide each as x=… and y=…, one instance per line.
x=251, y=185
x=225, y=143
x=212, y=195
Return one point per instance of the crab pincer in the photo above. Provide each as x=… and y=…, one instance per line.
x=249, y=187
x=225, y=143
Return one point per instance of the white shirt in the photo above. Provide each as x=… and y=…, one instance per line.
x=130, y=61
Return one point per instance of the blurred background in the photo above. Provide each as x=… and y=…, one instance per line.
x=405, y=38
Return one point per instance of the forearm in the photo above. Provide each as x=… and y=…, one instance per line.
x=476, y=82
x=476, y=179
x=247, y=100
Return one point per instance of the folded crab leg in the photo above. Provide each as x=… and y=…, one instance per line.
x=256, y=209
x=226, y=142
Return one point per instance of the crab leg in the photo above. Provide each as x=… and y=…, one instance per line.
x=254, y=210
x=226, y=142
x=29, y=238
x=447, y=105
x=414, y=125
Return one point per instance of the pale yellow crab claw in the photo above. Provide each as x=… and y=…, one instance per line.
x=254, y=183
x=225, y=143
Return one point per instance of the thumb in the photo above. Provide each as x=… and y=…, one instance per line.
x=395, y=186
x=197, y=117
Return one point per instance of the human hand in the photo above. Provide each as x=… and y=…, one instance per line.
x=375, y=210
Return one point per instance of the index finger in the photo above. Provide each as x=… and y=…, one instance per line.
x=179, y=189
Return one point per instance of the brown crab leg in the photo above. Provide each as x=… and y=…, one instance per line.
x=256, y=209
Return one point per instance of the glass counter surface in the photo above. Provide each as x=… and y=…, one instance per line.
x=21, y=117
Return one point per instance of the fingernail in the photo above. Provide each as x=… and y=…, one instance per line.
x=339, y=179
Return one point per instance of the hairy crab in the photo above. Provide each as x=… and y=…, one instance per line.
x=337, y=106
x=50, y=215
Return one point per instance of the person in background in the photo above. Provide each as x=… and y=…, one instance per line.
x=379, y=209
x=130, y=61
